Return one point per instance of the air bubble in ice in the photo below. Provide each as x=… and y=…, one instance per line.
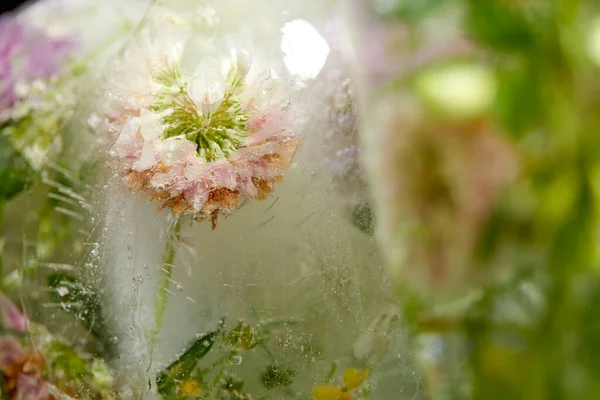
x=236, y=359
x=137, y=278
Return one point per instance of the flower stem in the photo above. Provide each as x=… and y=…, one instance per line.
x=1, y=245
x=166, y=268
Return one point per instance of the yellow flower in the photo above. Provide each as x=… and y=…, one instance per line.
x=327, y=392
x=345, y=396
x=189, y=387
x=354, y=377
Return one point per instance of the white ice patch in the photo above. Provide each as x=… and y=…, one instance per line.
x=305, y=49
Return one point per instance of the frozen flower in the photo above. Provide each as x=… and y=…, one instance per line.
x=22, y=371
x=354, y=378
x=39, y=366
x=12, y=318
x=10, y=352
x=199, y=144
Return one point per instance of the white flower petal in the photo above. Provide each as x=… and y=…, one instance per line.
x=147, y=159
x=244, y=62
x=207, y=85
x=175, y=149
x=129, y=130
x=198, y=170
x=151, y=127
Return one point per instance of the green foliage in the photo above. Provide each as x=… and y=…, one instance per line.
x=16, y=174
x=65, y=362
x=242, y=337
x=500, y=25
x=277, y=376
x=410, y=11
x=182, y=368
x=526, y=329
x=82, y=301
x=206, y=369
x=363, y=218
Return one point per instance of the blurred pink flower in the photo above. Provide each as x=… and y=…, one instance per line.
x=12, y=318
x=26, y=54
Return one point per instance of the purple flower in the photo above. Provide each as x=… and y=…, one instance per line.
x=12, y=318
x=26, y=54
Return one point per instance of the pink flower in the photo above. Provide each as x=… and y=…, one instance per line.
x=12, y=318
x=10, y=353
x=22, y=371
x=26, y=54
x=31, y=387
x=201, y=162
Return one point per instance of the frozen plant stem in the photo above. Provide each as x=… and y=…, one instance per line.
x=166, y=268
x=2, y=245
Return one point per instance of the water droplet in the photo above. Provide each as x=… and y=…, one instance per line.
x=236, y=359
x=179, y=286
x=137, y=278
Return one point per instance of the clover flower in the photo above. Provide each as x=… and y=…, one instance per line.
x=200, y=144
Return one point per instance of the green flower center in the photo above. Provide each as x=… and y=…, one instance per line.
x=218, y=134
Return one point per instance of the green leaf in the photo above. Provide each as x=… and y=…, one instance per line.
x=519, y=102
x=16, y=174
x=500, y=25
x=183, y=367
